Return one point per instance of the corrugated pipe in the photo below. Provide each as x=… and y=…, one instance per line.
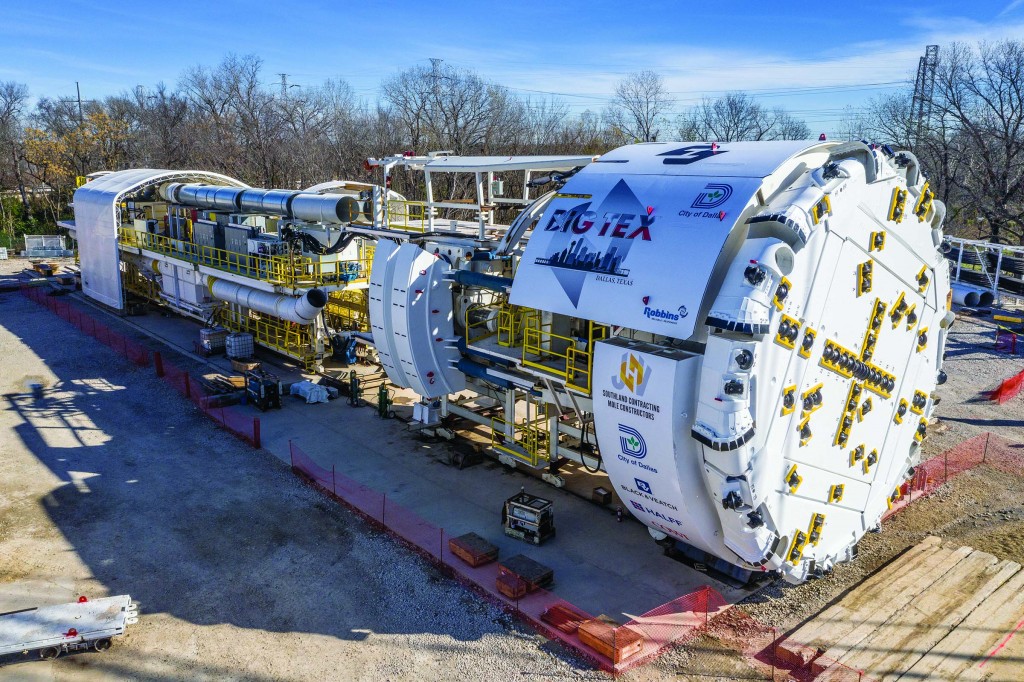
x=299, y=309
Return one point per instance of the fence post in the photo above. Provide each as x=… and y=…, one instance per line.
x=984, y=455
x=945, y=467
x=440, y=554
x=707, y=608
x=775, y=642
x=188, y=386
x=291, y=453
x=256, y=432
x=158, y=363
x=334, y=482
x=383, y=506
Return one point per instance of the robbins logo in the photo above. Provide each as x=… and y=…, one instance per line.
x=665, y=315
x=632, y=443
x=713, y=196
x=633, y=374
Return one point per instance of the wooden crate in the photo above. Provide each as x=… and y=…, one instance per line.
x=616, y=643
x=564, y=618
x=244, y=365
x=511, y=585
x=534, y=573
x=473, y=549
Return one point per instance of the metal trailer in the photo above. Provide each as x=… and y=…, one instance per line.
x=52, y=630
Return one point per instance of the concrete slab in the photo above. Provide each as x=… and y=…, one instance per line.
x=600, y=565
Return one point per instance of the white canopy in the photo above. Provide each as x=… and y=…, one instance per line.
x=97, y=218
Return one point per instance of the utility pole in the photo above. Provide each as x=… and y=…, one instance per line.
x=78, y=92
x=924, y=88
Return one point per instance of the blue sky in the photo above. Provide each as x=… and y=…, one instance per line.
x=812, y=58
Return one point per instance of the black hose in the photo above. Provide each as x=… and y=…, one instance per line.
x=583, y=459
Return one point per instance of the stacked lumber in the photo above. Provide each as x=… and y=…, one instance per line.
x=933, y=613
x=564, y=618
x=614, y=642
x=473, y=549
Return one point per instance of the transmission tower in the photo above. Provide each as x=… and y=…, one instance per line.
x=924, y=87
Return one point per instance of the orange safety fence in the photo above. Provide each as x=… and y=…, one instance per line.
x=244, y=426
x=647, y=635
x=132, y=350
x=1007, y=389
x=985, y=448
x=682, y=620
x=703, y=612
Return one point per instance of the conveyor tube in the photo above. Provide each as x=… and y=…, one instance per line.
x=301, y=310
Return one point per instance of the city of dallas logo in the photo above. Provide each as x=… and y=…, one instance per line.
x=633, y=374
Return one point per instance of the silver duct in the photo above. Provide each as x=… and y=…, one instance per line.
x=313, y=208
x=299, y=309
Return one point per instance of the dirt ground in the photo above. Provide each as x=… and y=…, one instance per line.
x=112, y=483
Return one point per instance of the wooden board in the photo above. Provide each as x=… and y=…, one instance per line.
x=534, y=573
x=897, y=644
x=829, y=626
x=473, y=549
x=934, y=613
x=564, y=617
x=511, y=585
x=616, y=643
x=960, y=651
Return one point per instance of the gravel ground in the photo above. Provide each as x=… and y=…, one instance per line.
x=243, y=573
x=113, y=483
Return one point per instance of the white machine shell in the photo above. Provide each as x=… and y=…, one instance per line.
x=412, y=319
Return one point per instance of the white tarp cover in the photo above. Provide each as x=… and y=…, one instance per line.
x=632, y=239
x=96, y=223
x=313, y=393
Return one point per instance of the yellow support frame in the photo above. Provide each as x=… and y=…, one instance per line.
x=349, y=309
x=288, y=338
x=402, y=213
x=530, y=434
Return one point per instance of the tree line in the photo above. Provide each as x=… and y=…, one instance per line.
x=227, y=118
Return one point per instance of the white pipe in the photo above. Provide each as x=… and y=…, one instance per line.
x=299, y=309
x=971, y=296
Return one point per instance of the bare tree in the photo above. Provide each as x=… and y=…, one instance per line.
x=980, y=94
x=13, y=98
x=737, y=116
x=639, y=107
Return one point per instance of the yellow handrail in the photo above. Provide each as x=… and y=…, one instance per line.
x=529, y=435
x=574, y=365
x=284, y=270
x=402, y=213
x=293, y=340
x=481, y=323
